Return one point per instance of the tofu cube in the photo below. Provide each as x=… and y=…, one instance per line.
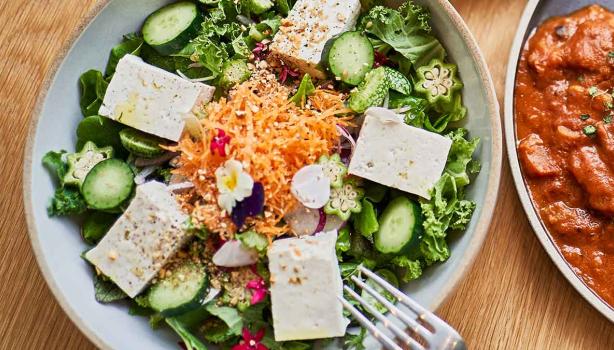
x=142, y=240
x=305, y=287
x=310, y=24
x=397, y=155
x=151, y=99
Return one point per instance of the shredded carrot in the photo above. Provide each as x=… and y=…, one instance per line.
x=272, y=137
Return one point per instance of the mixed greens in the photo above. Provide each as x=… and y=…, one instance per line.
x=391, y=60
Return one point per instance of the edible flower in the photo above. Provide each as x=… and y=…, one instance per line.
x=261, y=51
x=250, y=206
x=251, y=341
x=285, y=73
x=259, y=290
x=219, y=142
x=233, y=184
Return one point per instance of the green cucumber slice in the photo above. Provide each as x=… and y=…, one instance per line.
x=141, y=144
x=169, y=29
x=351, y=57
x=108, y=184
x=184, y=290
x=400, y=227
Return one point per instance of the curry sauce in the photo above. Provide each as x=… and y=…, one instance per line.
x=564, y=107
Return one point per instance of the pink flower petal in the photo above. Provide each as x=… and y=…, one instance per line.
x=258, y=296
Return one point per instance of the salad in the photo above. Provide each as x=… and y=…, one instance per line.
x=239, y=159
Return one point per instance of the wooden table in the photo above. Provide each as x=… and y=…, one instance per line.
x=514, y=298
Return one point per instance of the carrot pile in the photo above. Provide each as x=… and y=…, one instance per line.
x=272, y=137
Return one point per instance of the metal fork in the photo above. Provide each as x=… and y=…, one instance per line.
x=427, y=330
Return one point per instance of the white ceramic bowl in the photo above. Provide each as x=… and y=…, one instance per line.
x=57, y=244
x=535, y=13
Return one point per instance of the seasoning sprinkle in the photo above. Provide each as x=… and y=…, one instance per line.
x=589, y=130
x=585, y=117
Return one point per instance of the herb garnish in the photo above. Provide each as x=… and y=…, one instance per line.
x=607, y=119
x=589, y=130
x=593, y=91
x=585, y=117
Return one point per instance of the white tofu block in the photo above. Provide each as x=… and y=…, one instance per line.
x=397, y=155
x=142, y=240
x=310, y=24
x=151, y=99
x=305, y=286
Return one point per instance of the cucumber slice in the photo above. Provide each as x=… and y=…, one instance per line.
x=234, y=72
x=183, y=291
x=400, y=227
x=371, y=92
x=351, y=57
x=398, y=82
x=108, y=184
x=141, y=144
x=169, y=29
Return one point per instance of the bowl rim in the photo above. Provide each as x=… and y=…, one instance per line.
x=523, y=193
x=478, y=235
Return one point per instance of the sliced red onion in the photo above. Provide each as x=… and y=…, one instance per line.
x=321, y=221
x=347, y=136
x=141, y=177
x=234, y=254
x=163, y=159
x=311, y=186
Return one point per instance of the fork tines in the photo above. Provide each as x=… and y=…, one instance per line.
x=428, y=330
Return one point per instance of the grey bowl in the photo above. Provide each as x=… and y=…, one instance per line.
x=57, y=244
x=535, y=13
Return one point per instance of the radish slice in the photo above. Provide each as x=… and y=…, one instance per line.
x=304, y=221
x=311, y=187
x=234, y=254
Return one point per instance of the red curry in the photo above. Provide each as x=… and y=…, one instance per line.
x=564, y=109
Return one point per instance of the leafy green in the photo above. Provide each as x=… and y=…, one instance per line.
x=216, y=331
x=96, y=226
x=416, y=108
x=93, y=88
x=254, y=240
x=66, y=201
x=355, y=341
x=254, y=315
x=190, y=340
x=366, y=222
x=391, y=278
x=229, y=315
x=460, y=156
x=343, y=242
x=101, y=131
x=284, y=6
x=55, y=164
x=412, y=269
x=255, y=7
x=106, y=291
x=375, y=192
x=405, y=31
x=131, y=45
x=305, y=89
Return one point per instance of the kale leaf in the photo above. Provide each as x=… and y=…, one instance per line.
x=66, y=201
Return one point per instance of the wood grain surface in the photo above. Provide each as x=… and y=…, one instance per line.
x=513, y=298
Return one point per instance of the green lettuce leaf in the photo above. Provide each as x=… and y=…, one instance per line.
x=461, y=156
x=106, y=291
x=229, y=315
x=190, y=341
x=93, y=88
x=304, y=90
x=355, y=341
x=405, y=31
x=343, y=243
x=216, y=331
x=66, y=201
x=412, y=269
x=366, y=222
x=55, y=164
x=131, y=44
